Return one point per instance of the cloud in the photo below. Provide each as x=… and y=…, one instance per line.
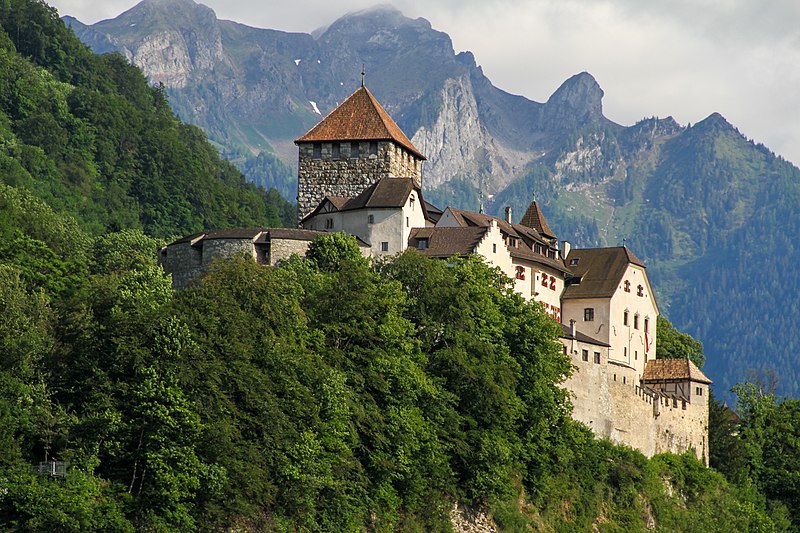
x=685, y=58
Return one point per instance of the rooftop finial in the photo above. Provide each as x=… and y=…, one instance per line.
x=363, y=73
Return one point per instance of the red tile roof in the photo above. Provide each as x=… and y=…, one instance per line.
x=359, y=118
x=673, y=369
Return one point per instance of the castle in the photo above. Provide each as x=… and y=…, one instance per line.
x=360, y=174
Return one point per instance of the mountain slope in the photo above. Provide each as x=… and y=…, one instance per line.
x=699, y=203
x=89, y=136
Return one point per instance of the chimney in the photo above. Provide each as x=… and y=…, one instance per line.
x=565, y=248
x=508, y=215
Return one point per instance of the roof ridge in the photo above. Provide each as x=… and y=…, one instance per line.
x=359, y=118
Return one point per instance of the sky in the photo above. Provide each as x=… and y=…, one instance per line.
x=680, y=58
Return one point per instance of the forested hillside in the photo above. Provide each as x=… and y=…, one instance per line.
x=325, y=394
x=711, y=212
x=88, y=135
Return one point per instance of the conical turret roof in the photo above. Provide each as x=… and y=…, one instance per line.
x=359, y=118
x=534, y=218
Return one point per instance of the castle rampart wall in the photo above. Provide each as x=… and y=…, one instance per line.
x=609, y=399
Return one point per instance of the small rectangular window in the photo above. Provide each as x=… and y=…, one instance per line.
x=384, y=246
x=647, y=325
x=373, y=148
x=407, y=222
x=636, y=355
x=597, y=358
x=370, y=219
x=635, y=321
x=588, y=314
x=585, y=355
x=317, y=151
x=494, y=248
x=335, y=151
x=625, y=318
x=354, y=150
x=328, y=223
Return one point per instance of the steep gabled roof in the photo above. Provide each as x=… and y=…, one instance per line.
x=600, y=271
x=359, y=118
x=447, y=241
x=534, y=218
x=526, y=234
x=386, y=193
x=673, y=369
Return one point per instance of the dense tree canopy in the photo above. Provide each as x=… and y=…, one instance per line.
x=327, y=393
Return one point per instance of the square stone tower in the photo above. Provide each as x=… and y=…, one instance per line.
x=353, y=147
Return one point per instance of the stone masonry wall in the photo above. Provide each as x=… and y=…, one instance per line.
x=346, y=176
x=186, y=262
x=281, y=249
x=608, y=398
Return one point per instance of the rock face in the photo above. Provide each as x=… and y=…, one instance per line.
x=256, y=90
x=706, y=208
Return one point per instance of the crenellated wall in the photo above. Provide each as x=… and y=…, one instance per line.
x=610, y=399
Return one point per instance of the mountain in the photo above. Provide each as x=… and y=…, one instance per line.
x=708, y=209
x=90, y=137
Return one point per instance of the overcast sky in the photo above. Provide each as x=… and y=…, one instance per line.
x=684, y=58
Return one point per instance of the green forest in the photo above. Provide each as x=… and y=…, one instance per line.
x=325, y=394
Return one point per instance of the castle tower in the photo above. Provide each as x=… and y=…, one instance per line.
x=353, y=147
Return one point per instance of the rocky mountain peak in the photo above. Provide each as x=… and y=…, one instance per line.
x=581, y=93
x=578, y=101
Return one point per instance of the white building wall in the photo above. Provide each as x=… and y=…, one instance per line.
x=598, y=328
x=629, y=343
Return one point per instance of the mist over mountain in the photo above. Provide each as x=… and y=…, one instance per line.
x=711, y=211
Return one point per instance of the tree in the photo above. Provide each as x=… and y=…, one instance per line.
x=672, y=344
x=331, y=251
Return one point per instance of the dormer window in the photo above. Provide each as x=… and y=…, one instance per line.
x=422, y=244
x=574, y=261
